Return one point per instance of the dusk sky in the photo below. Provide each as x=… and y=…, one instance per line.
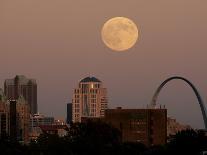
x=58, y=42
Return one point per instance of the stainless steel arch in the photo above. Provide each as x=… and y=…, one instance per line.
x=200, y=101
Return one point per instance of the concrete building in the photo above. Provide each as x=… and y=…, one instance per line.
x=147, y=126
x=89, y=99
x=20, y=85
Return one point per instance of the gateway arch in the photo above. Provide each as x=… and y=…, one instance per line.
x=200, y=101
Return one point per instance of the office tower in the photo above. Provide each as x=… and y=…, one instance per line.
x=20, y=85
x=147, y=126
x=89, y=99
x=69, y=113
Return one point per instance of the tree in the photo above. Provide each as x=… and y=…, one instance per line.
x=188, y=142
x=93, y=137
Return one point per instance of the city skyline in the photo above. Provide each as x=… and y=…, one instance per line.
x=59, y=43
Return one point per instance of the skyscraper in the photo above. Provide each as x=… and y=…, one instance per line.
x=20, y=85
x=89, y=99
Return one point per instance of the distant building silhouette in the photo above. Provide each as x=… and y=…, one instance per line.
x=39, y=119
x=89, y=99
x=174, y=127
x=69, y=113
x=20, y=85
x=147, y=126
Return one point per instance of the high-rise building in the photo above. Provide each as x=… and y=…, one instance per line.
x=69, y=113
x=147, y=126
x=19, y=120
x=89, y=99
x=20, y=85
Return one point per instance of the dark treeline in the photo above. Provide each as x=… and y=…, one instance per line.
x=97, y=138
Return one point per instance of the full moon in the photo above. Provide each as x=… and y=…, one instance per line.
x=119, y=33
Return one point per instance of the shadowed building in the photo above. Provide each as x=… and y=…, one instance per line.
x=147, y=126
x=69, y=113
x=39, y=119
x=20, y=85
x=60, y=130
x=89, y=99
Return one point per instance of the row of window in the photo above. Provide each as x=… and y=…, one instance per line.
x=78, y=101
x=85, y=86
x=93, y=110
x=78, y=105
x=78, y=96
x=92, y=91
